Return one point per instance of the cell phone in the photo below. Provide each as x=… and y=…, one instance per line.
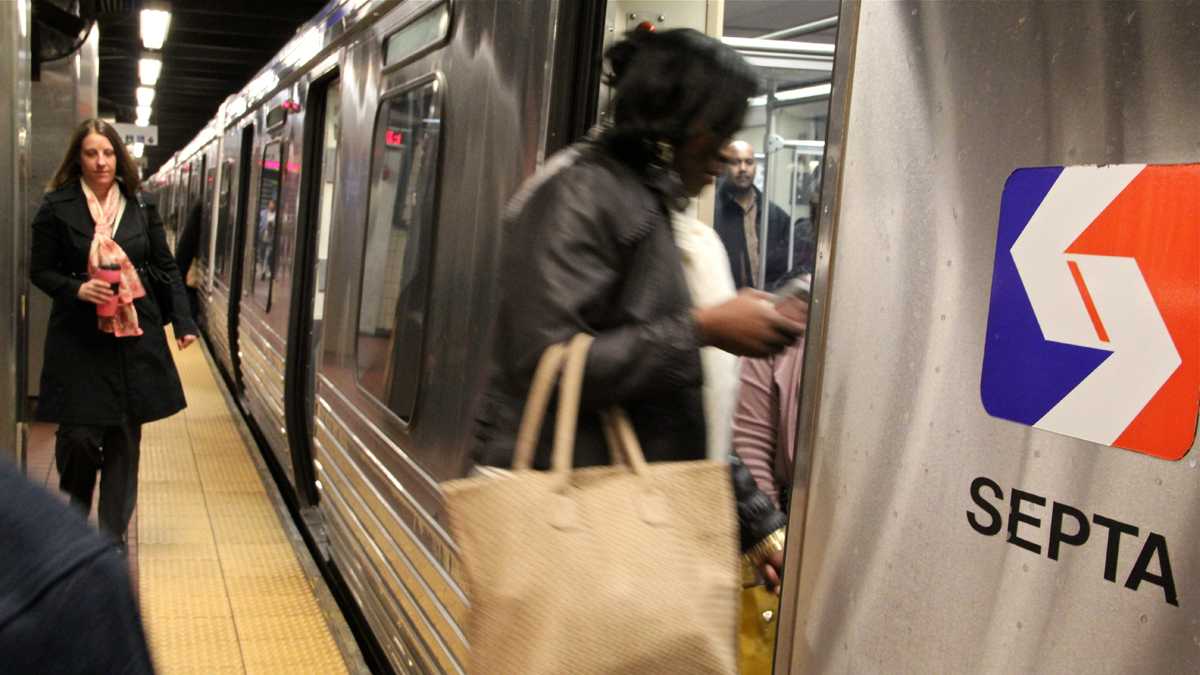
x=799, y=288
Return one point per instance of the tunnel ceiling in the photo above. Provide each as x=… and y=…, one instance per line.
x=213, y=48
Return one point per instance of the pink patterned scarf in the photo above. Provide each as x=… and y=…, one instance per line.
x=105, y=251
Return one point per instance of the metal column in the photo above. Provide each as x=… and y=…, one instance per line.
x=14, y=180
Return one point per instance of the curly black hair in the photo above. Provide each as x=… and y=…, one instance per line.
x=669, y=84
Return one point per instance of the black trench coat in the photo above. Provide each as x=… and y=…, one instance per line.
x=91, y=377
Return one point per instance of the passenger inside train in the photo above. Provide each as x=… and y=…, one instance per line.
x=739, y=207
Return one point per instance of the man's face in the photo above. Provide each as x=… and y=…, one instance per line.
x=741, y=167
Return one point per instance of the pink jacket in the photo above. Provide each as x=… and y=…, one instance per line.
x=765, y=421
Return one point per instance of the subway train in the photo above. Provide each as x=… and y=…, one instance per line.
x=350, y=196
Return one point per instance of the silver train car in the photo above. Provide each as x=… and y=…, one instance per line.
x=350, y=195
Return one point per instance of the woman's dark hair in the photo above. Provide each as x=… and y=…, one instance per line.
x=70, y=168
x=667, y=84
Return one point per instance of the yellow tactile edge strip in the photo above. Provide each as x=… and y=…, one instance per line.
x=225, y=582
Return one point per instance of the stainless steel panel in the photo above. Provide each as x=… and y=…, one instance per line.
x=65, y=96
x=406, y=577
x=492, y=70
x=14, y=184
x=946, y=99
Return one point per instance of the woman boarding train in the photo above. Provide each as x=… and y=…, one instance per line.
x=589, y=248
x=108, y=368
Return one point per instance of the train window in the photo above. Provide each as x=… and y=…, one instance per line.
x=264, y=225
x=424, y=32
x=329, y=153
x=396, y=259
x=210, y=178
x=223, y=225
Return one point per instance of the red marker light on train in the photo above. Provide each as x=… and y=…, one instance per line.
x=647, y=26
x=291, y=106
x=393, y=137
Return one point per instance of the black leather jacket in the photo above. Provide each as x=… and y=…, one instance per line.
x=588, y=247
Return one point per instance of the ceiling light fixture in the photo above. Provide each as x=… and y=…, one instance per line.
x=145, y=96
x=155, y=24
x=138, y=150
x=149, y=68
x=811, y=93
x=143, y=116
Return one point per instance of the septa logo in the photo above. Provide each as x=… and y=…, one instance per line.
x=1094, y=323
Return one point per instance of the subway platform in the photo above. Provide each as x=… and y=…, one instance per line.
x=223, y=578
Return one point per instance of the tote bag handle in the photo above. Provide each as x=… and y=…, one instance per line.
x=571, y=360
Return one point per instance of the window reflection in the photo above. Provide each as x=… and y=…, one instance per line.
x=223, y=226
x=265, y=226
x=329, y=167
x=391, y=319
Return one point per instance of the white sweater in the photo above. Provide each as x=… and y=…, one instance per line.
x=706, y=267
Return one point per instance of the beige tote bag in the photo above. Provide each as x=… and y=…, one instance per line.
x=630, y=568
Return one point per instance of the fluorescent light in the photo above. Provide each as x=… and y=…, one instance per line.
x=803, y=93
x=143, y=116
x=138, y=149
x=155, y=24
x=149, y=68
x=145, y=96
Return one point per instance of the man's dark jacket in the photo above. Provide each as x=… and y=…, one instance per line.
x=65, y=600
x=730, y=225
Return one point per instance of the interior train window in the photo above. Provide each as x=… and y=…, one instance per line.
x=328, y=181
x=222, y=260
x=396, y=260
x=418, y=35
x=208, y=182
x=264, y=225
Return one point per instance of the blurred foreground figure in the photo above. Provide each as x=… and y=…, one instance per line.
x=65, y=599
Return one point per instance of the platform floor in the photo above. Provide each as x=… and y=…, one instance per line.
x=224, y=581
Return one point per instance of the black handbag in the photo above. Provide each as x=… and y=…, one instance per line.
x=160, y=288
x=159, y=285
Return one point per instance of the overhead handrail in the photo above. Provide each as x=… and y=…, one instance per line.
x=802, y=29
x=779, y=46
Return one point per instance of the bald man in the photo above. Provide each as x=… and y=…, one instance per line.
x=738, y=221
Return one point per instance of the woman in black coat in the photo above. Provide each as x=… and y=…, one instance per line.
x=108, y=369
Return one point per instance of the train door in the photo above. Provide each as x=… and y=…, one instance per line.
x=764, y=210
x=266, y=293
x=181, y=198
x=449, y=138
x=316, y=223
x=225, y=254
x=237, y=253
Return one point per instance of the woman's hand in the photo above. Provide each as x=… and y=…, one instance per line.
x=772, y=571
x=795, y=309
x=95, y=291
x=748, y=325
x=185, y=341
